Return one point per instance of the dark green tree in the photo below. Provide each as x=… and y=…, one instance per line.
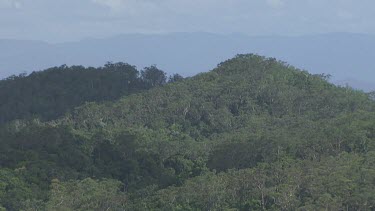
x=152, y=76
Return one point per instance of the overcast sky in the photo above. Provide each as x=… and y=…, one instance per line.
x=66, y=20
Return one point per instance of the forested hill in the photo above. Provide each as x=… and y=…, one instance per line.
x=51, y=93
x=252, y=134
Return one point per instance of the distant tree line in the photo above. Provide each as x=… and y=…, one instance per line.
x=51, y=93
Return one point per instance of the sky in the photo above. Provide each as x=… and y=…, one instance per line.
x=70, y=20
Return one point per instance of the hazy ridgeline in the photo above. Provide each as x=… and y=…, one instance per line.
x=346, y=56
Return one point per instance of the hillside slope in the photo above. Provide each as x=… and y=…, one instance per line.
x=252, y=134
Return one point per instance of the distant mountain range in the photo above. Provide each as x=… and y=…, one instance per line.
x=348, y=57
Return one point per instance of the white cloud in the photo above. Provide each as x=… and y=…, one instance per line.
x=10, y=4
x=113, y=4
x=275, y=3
x=345, y=15
x=180, y=6
x=130, y=7
x=5, y=3
x=99, y=18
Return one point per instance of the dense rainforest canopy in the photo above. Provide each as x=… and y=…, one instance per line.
x=51, y=93
x=252, y=134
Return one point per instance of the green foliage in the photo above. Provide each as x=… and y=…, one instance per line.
x=13, y=189
x=53, y=92
x=252, y=134
x=87, y=194
x=330, y=184
x=175, y=78
x=152, y=76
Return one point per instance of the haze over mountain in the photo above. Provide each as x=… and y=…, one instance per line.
x=348, y=57
x=187, y=105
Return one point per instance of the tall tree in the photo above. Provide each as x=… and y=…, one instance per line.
x=153, y=76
